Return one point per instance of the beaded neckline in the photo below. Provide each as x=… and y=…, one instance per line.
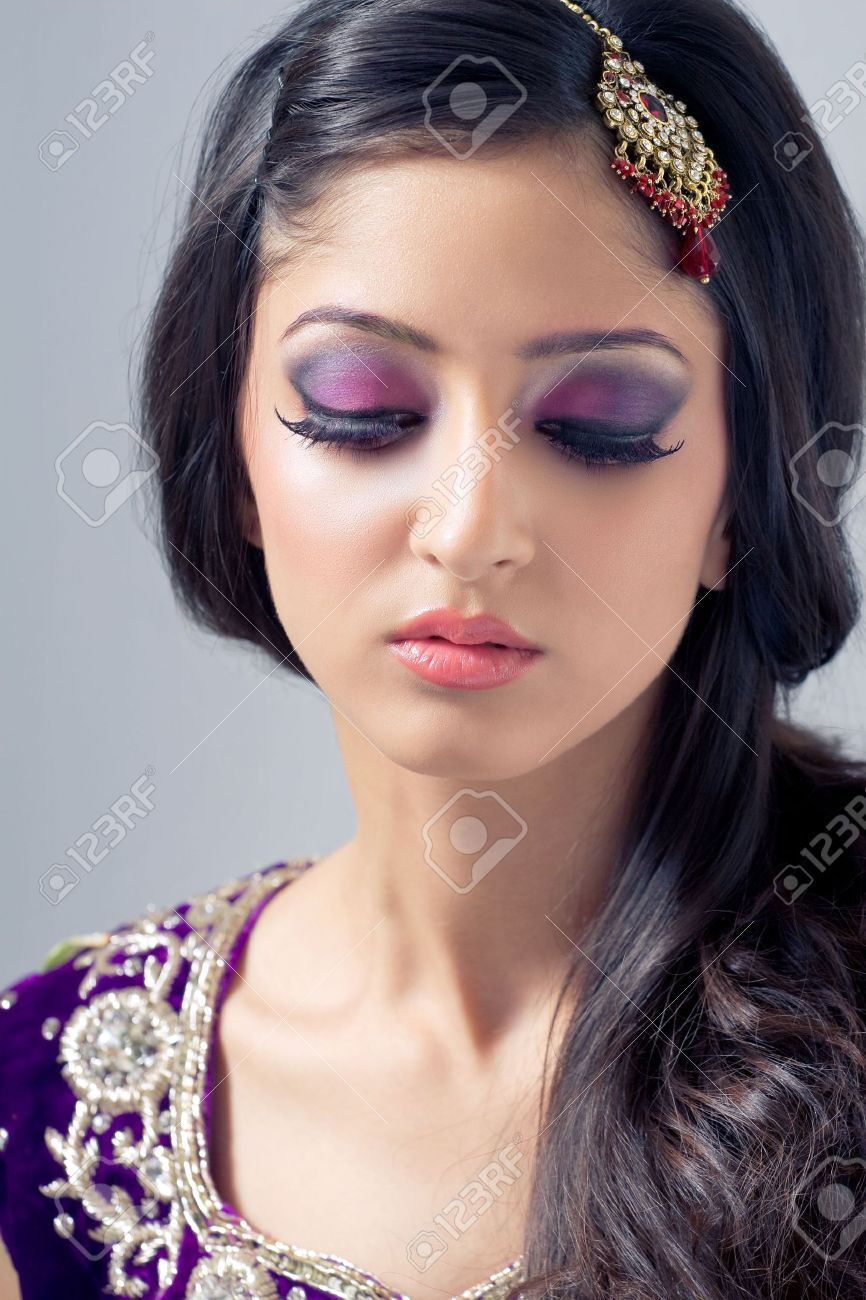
x=218, y=1225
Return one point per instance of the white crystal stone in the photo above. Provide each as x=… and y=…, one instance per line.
x=50, y=1027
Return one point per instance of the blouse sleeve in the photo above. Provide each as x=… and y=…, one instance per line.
x=33, y=1098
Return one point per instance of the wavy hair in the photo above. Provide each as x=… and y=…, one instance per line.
x=710, y=1083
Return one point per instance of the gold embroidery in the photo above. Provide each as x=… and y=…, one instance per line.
x=126, y=1052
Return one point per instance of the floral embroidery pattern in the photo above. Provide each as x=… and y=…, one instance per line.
x=118, y=1053
x=134, y=1155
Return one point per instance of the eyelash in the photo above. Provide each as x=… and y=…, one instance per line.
x=363, y=436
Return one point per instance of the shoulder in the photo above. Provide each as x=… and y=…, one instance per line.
x=88, y=1040
x=69, y=971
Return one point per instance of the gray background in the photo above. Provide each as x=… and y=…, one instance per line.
x=104, y=678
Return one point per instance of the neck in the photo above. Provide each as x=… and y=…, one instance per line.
x=463, y=900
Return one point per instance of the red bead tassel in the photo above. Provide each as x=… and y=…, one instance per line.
x=701, y=254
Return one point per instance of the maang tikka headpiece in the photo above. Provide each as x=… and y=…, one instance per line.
x=671, y=166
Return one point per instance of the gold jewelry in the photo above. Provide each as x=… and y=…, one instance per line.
x=671, y=165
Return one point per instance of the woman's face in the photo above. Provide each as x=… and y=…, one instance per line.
x=463, y=271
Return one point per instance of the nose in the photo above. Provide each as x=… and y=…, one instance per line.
x=475, y=515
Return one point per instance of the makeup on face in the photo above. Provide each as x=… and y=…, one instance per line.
x=616, y=390
x=628, y=389
x=357, y=381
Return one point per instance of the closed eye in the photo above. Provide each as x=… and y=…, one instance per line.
x=365, y=435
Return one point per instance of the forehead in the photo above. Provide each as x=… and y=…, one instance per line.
x=484, y=252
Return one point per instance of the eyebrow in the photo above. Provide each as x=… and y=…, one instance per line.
x=548, y=345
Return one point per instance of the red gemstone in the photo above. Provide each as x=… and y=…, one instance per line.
x=623, y=97
x=655, y=106
x=610, y=76
x=701, y=255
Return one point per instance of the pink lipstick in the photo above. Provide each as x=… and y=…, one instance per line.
x=477, y=653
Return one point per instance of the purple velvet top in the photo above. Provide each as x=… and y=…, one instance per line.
x=106, y=1066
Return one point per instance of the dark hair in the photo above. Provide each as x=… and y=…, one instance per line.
x=713, y=1062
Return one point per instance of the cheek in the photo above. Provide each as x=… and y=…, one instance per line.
x=319, y=529
x=636, y=542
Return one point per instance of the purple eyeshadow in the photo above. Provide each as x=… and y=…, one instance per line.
x=345, y=382
x=603, y=391
x=627, y=398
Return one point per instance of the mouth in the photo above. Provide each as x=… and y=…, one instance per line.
x=462, y=665
x=450, y=627
x=497, y=645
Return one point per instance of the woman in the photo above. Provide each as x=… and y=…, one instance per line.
x=547, y=501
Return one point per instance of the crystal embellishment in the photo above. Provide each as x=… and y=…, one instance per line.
x=229, y=1276
x=138, y=1070
x=681, y=182
x=118, y=1048
x=50, y=1027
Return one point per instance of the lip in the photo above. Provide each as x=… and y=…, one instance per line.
x=445, y=648
x=468, y=667
x=451, y=625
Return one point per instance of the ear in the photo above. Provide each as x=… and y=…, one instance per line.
x=717, y=555
x=250, y=524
